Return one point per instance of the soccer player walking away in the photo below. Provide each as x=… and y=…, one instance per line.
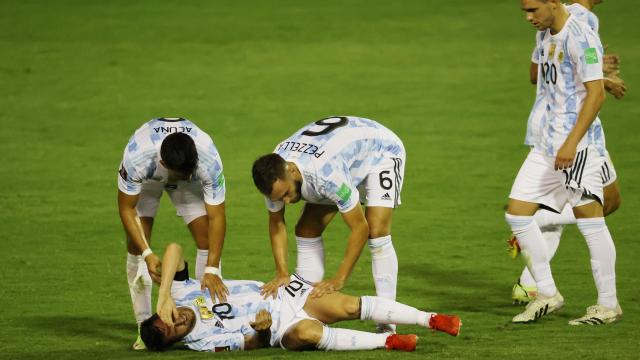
x=172, y=155
x=292, y=319
x=335, y=164
x=565, y=163
x=551, y=223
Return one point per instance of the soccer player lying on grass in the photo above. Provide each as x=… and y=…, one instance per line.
x=292, y=319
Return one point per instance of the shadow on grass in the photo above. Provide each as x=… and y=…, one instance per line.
x=89, y=328
x=459, y=290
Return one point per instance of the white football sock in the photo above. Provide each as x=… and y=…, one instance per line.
x=552, y=235
x=385, y=311
x=384, y=266
x=139, y=287
x=534, y=249
x=603, y=259
x=345, y=339
x=310, y=264
x=546, y=218
x=201, y=262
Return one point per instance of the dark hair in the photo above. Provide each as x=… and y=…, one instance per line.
x=266, y=170
x=152, y=336
x=178, y=151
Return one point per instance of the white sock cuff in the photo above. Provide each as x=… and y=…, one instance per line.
x=518, y=222
x=380, y=242
x=309, y=243
x=366, y=307
x=327, y=338
x=591, y=225
x=202, y=252
x=134, y=258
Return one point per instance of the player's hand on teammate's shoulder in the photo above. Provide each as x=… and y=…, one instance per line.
x=154, y=265
x=216, y=287
x=262, y=321
x=166, y=309
x=271, y=288
x=327, y=287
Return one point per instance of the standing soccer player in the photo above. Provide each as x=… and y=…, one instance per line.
x=565, y=162
x=172, y=155
x=335, y=164
x=552, y=224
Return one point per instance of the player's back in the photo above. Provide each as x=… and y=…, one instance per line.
x=353, y=142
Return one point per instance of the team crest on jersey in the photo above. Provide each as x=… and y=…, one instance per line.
x=205, y=313
x=552, y=50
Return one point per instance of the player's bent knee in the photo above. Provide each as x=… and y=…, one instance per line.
x=351, y=307
x=304, y=335
x=378, y=231
x=309, y=230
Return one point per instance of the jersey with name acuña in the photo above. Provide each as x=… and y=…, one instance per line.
x=141, y=160
x=334, y=155
x=222, y=326
x=567, y=60
x=538, y=112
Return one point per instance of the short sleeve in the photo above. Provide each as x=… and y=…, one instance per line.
x=212, y=176
x=129, y=177
x=336, y=185
x=273, y=206
x=586, y=53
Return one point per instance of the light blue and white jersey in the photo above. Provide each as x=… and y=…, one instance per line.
x=536, y=120
x=141, y=160
x=222, y=326
x=567, y=60
x=334, y=156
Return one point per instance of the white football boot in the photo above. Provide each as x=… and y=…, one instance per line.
x=598, y=315
x=539, y=307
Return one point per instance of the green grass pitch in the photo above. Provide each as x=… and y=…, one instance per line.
x=449, y=77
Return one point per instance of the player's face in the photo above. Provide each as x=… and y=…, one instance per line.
x=286, y=190
x=181, y=327
x=539, y=14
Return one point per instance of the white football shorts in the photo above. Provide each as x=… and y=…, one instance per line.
x=382, y=187
x=608, y=172
x=537, y=181
x=293, y=297
x=186, y=196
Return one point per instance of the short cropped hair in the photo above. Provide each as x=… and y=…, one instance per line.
x=152, y=336
x=178, y=151
x=266, y=170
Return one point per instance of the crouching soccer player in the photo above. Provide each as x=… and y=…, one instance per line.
x=292, y=319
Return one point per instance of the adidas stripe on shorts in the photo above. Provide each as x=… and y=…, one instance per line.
x=538, y=182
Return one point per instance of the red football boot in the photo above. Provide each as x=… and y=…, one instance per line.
x=446, y=323
x=401, y=342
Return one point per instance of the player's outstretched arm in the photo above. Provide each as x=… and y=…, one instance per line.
x=590, y=108
x=133, y=228
x=217, y=230
x=278, y=235
x=357, y=239
x=172, y=261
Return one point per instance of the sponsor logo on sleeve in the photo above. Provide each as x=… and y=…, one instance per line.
x=344, y=193
x=590, y=56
